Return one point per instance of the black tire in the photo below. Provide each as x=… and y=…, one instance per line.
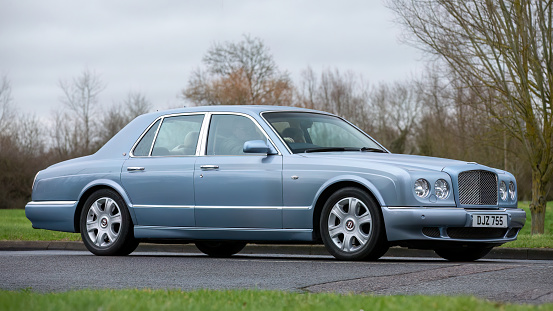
x=220, y=249
x=360, y=233
x=463, y=253
x=110, y=229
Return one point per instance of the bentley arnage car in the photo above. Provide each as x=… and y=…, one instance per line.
x=224, y=176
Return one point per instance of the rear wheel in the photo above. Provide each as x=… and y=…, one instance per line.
x=463, y=253
x=106, y=225
x=352, y=227
x=220, y=249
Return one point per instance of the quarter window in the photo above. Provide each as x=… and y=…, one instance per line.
x=142, y=149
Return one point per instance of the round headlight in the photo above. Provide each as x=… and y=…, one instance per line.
x=503, y=191
x=441, y=188
x=512, y=191
x=422, y=188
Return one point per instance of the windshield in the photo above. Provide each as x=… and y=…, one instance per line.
x=312, y=132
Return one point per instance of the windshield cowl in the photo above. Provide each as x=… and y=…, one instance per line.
x=363, y=149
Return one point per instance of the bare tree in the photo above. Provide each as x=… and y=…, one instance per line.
x=81, y=99
x=239, y=73
x=7, y=111
x=505, y=46
x=344, y=94
x=396, y=108
x=120, y=114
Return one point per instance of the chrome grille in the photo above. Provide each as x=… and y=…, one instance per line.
x=477, y=187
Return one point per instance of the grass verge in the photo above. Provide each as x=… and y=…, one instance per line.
x=15, y=226
x=133, y=299
x=525, y=239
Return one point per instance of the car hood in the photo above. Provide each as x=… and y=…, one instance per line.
x=405, y=161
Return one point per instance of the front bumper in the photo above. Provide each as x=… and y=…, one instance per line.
x=449, y=225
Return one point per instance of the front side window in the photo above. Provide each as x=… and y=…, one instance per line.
x=228, y=133
x=312, y=132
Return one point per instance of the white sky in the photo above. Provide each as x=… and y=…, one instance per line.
x=153, y=46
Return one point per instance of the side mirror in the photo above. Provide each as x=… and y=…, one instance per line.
x=258, y=146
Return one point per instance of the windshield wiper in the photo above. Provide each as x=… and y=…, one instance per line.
x=369, y=149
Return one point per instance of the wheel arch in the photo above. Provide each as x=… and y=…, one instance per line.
x=92, y=187
x=329, y=188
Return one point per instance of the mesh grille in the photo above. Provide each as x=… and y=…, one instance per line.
x=477, y=188
x=432, y=232
x=476, y=233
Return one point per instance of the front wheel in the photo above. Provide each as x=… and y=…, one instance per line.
x=463, y=254
x=352, y=227
x=106, y=225
x=220, y=249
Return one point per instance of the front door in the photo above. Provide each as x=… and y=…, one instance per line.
x=234, y=189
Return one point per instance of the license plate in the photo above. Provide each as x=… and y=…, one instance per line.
x=489, y=221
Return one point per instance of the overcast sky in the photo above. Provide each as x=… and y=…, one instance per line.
x=153, y=46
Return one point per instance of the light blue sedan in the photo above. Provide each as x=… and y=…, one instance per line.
x=224, y=176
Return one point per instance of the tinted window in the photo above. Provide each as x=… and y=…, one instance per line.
x=178, y=136
x=228, y=133
x=145, y=144
x=310, y=132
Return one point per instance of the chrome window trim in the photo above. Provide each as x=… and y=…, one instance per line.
x=203, y=151
x=162, y=118
x=313, y=112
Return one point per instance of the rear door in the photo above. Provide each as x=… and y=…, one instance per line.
x=159, y=175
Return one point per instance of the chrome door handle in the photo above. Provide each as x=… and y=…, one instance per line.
x=134, y=168
x=209, y=167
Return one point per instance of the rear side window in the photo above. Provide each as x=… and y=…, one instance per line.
x=145, y=144
x=178, y=136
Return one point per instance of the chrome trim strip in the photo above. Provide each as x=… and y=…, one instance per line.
x=491, y=210
x=223, y=229
x=259, y=207
x=422, y=207
x=161, y=206
x=52, y=203
x=226, y=207
x=241, y=207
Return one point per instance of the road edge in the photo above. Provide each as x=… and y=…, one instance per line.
x=496, y=253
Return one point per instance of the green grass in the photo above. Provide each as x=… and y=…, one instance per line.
x=132, y=299
x=525, y=239
x=15, y=226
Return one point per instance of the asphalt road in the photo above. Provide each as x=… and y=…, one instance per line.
x=521, y=281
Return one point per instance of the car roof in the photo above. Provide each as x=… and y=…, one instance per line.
x=248, y=109
x=123, y=141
